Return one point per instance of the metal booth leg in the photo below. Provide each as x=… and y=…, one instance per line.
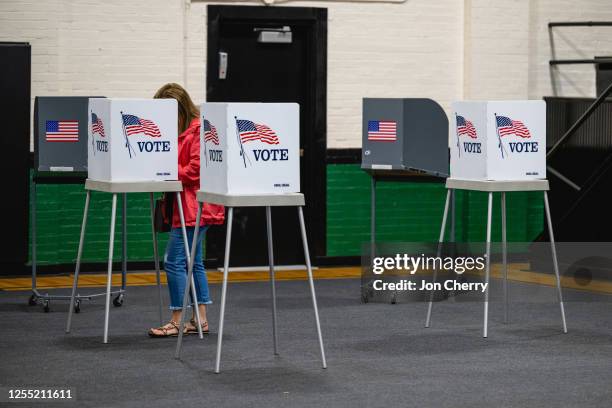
x=75, y=280
x=365, y=285
x=123, y=246
x=453, y=219
x=272, y=283
x=488, y=266
x=33, y=235
x=311, y=282
x=189, y=283
x=110, y=266
x=555, y=263
x=228, y=243
x=440, y=241
x=504, y=255
x=156, y=259
x=373, y=217
x=190, y=280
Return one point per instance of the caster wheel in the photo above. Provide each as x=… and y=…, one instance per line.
x=365, y=298
x=46, y=306
x=118, y=301
x=77, y=306
x=32, y=300
x=393, y=300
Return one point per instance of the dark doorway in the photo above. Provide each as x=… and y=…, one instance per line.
x=272, y=71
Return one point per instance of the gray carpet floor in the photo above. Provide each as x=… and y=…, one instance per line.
x=379, y=354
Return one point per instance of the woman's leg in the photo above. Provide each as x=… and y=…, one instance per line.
x=199, y=274
x=175, y=264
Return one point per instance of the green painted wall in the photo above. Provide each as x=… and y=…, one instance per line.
x=412, y=212
x=405, y=212
x=59, y=216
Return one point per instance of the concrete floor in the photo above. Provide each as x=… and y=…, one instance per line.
x=379, y=355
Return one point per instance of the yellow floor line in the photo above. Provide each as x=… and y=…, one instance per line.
x=148, y=278
x=521, y=273
x=516, y=272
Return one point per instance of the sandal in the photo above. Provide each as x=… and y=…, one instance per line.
x=170, y=329
x=192, y=327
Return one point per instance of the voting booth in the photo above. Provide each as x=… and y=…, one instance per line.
x=498, y=140
x=402, y=138
x=132, y=148
x=250, y=158
x=499, y=147
x=60, y=133
x=60, y=157
x=132, y=140
x=409, y=134
x=250, y=148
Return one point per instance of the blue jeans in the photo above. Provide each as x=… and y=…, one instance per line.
x=175, y=264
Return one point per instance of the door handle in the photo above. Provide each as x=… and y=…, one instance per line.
x=222, y=65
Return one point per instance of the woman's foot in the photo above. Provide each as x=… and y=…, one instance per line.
x=170, y=329
x=192, y=327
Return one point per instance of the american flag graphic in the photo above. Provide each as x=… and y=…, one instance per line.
x=134, y=125
x=382, y=130
x=96, y=125
x=465, y=127
x=62, y=131
x=250, y=131
x=507, y=126
x=210, y=133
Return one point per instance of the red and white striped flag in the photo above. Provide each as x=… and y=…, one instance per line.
x=134, y=125
x=507, y=126
x=62, y=131
x=210, y=133
x=382, y=130
x=465, y=127
x=250, y=131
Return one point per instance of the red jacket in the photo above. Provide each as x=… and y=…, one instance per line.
x=189, y=174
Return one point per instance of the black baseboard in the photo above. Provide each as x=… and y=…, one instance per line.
x=330, y=261
x=343, y=156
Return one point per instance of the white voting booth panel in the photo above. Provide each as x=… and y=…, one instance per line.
x=250, y=148
x=132, y=140
x=498, y=140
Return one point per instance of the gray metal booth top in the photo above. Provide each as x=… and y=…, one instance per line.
x=409, y=134
x=60, y=133
x=403, y=140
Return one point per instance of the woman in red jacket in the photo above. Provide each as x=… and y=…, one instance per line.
x=175, y=260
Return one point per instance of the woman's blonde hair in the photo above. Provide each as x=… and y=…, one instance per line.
x=187, y=110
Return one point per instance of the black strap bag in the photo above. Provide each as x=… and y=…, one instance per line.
x=163, y=212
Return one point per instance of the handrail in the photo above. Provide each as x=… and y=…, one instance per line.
x=580, y=24
x=571, y=131
x=587, y=186
x=581, y=61
x=580, y=120
x=589, y=183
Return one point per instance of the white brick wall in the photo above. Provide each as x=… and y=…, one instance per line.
x=443, y=49
x=496, y=45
